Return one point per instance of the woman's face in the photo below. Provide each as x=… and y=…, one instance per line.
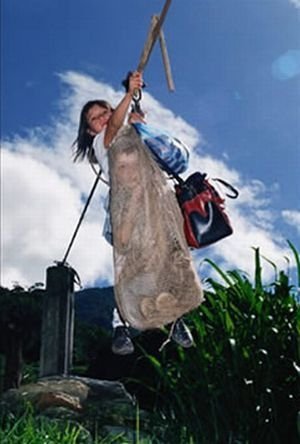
x=97, y=118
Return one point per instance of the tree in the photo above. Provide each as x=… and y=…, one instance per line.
x=20, y=325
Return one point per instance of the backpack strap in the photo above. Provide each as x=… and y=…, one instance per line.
x=233, y=190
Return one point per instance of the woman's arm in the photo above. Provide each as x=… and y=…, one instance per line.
x=119, y=114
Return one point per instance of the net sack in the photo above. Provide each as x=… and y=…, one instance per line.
x=155, y=280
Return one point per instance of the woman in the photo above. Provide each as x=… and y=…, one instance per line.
x=155, y=282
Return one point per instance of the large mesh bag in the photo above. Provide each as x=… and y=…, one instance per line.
x=155, y=280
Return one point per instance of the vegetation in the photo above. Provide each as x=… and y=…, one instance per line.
x=30, y=430
x=20, y=325
x=238, y=385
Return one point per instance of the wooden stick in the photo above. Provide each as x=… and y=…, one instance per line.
x=148, y=46
x=166, y=61
x=152, y=37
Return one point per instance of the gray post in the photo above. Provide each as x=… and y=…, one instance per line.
x=57, y=322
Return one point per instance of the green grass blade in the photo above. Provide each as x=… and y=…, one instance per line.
x=297, y=260
x=223, y=274
x=258, y=269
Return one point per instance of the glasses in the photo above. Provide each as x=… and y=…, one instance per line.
x=98, y=116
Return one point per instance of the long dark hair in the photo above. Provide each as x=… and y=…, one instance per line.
x=84, y=141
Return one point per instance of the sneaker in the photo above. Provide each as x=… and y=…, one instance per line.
x=182, y=335
x=121, y=342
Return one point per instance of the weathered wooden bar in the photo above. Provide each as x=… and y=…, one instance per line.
x=58, y=322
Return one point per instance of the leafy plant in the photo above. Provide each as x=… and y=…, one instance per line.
x=239, y=384
x=20, y=324
x=30, y=430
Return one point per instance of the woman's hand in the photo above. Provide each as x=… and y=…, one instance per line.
x=135, y=82
x=136, y=117
x=119, y=114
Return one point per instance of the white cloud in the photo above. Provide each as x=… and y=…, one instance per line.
x=287, y=65
x=292, y=217
x=295, y=3
x=44, y=193
x=40, y=209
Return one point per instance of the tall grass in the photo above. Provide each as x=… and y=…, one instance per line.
x=31, y=429
x=28, y=429
x=239, y=384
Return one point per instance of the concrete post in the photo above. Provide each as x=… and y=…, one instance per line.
x=57, y=322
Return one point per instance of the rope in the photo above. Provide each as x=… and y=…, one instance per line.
x=81, y=218
x=99, y=173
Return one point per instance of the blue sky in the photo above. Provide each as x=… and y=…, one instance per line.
x=236, y=67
